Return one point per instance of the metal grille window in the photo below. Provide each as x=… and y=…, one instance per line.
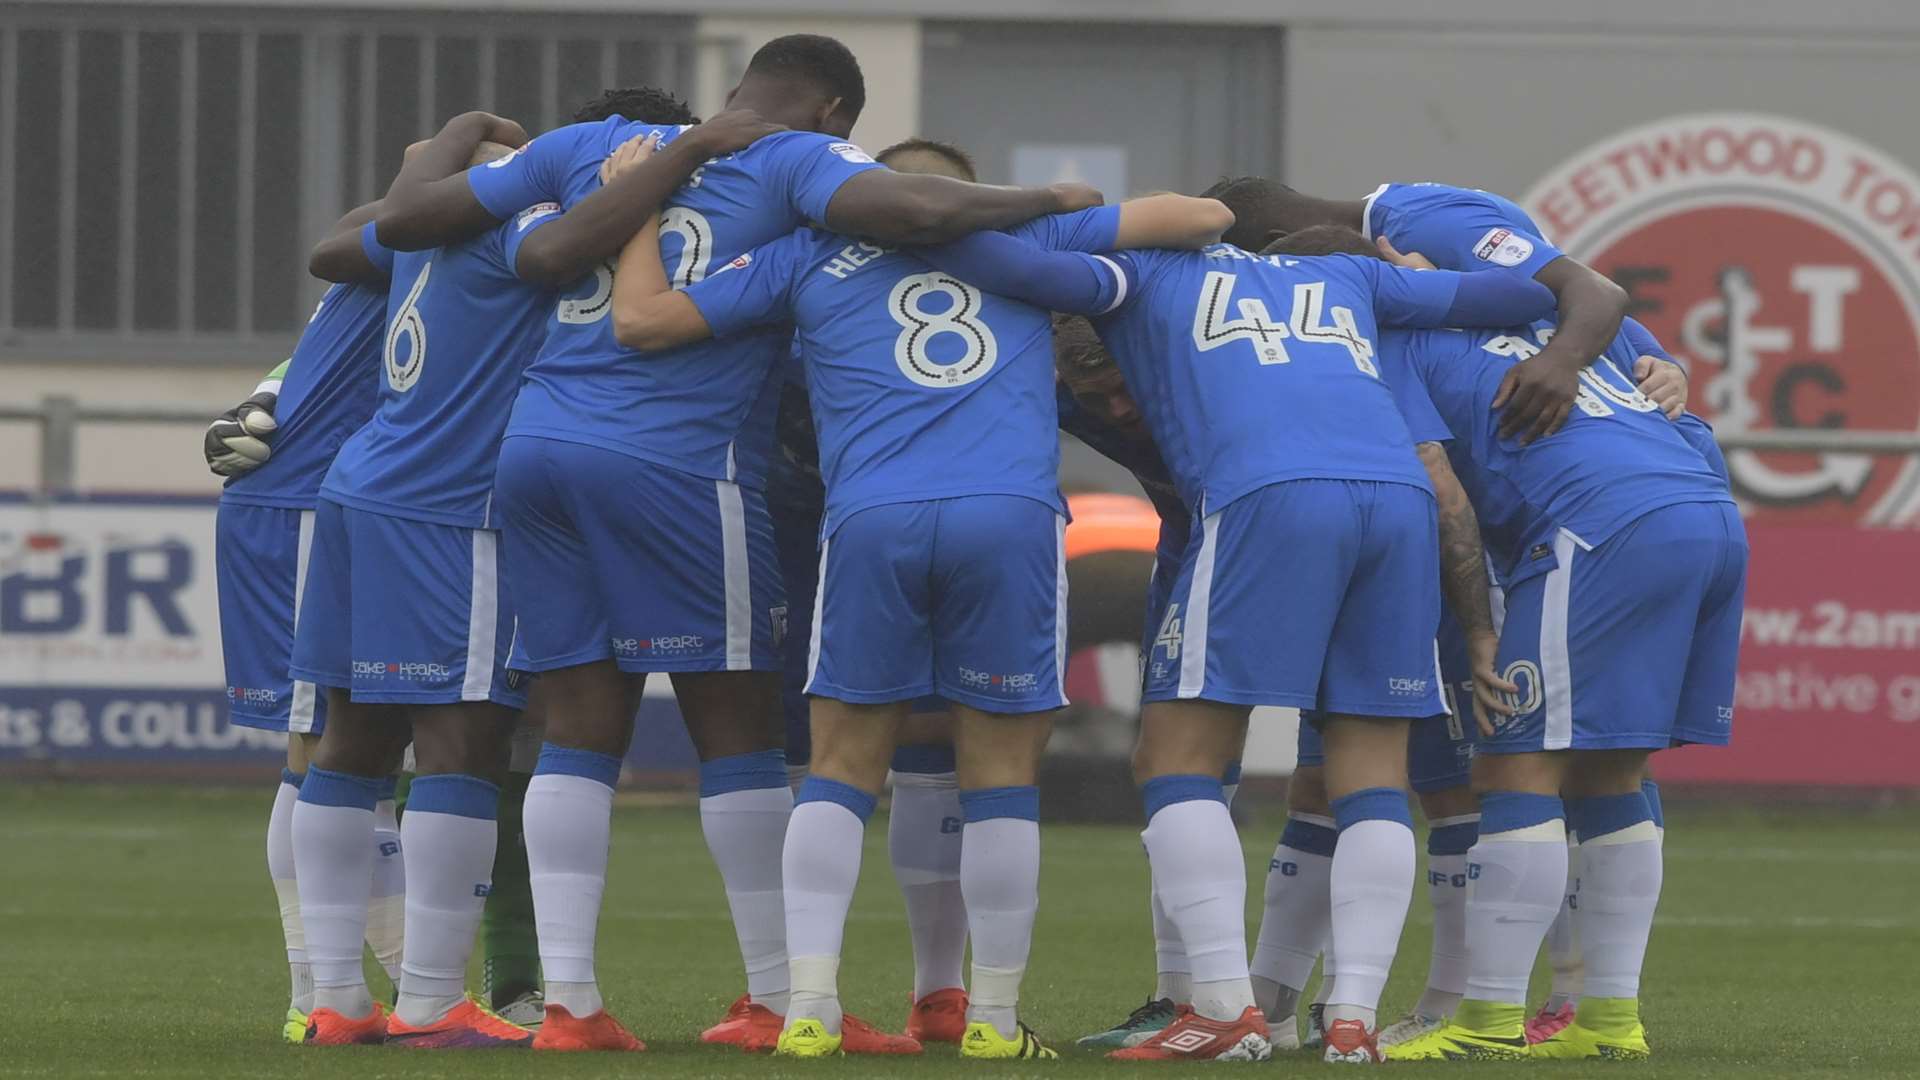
x=163, y=173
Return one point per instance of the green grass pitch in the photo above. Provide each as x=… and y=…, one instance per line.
x=138, y=937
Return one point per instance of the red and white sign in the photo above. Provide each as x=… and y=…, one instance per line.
x=1781, y=262
x=1829, y=686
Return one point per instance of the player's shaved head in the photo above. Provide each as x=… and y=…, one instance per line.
x=929, y=156
x=1263, y=208
x=1322, y=240
x=647, y=104
x=809, y=82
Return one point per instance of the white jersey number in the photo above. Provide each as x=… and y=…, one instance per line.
x=408, y=325
x=1597, y=396
x=696, y=254
x=1213, y=327
x=594, y=306
x=919, y=328
x=696, y=248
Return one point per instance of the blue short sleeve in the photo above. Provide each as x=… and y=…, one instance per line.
x=752, y=290
x=379, y=254
x=810, y=168
x=1641, y=340
x=535, y=173
x=1403, y=377
x=515, y=232
x=1472, y=232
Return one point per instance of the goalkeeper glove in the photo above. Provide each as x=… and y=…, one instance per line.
x=236, y=441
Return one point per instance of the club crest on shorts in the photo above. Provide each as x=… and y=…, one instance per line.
x=777, y=617
x=1780, y=261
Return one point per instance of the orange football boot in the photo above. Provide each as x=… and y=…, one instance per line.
x=326, y=1027
x=748, y=1025
x=1192, y=1037
x=565, y=1031
x=940, y=1017
x=1350, y=1041
x=467, y=1026
x=859, y=1037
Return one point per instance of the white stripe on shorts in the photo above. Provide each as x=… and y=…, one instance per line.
x=733, y=562
x=1193, y=636
x=819, y=604
x=483, y=617
x=1556, y=673
x=300, y=709
x=1060, y=607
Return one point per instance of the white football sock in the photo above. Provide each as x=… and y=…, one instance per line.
x=745, y=829
x=449, y=837
x=1563, y=939
x=1521, y=854
x=1297, y=918
x=568, y=821
x=821, y=866
x=333, y=862
x=1371, y=888
x=923, y=843
x=1620, y=880
x=1000, y=877
x=387, y=902
x=286, y=890
x=1202, y=874
x=1448, y=840
x=1172, y=979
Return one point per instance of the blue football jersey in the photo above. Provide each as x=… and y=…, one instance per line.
x=1252, y=370
x=327, y=394
x=701, y=408
x=463, y=329
x=922, y=386
x=1462, y=229
x=1616, y=459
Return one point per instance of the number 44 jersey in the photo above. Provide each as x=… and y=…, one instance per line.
x=1257, y=369
x=922, y=386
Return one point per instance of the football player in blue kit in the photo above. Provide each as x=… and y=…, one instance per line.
x=275, y=448
x=1576, y=549
x=925, y=816
x=632, y=492
x=1466, y=230
x=1297, y=449
x=408, y=621
x=910, y=371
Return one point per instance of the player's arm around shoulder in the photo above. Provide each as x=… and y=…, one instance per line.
x=1170, y=220
x=430, y=201
x=1464, y=583
x=648, y=315
x=906, y=209
x=348, y=255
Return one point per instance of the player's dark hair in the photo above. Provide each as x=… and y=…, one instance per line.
x=1077, y=351
x=959, y=158
x=1263, y=207
x=1322, y=240
x=647, y=104
x=816, y=59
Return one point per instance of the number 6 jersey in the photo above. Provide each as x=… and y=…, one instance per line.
x=923, y=386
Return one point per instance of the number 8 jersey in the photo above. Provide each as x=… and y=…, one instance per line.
x=923, y=386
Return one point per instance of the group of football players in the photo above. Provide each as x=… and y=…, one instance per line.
x=643, y=393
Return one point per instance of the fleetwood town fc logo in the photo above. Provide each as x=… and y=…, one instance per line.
x=1781, y=262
